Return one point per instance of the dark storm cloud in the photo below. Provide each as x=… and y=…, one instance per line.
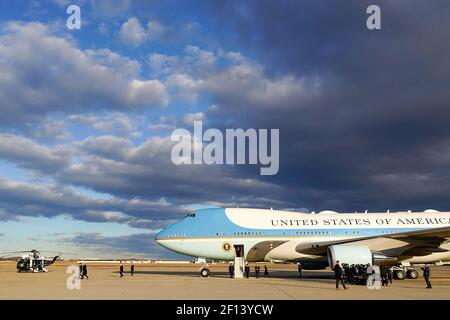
x=363, y=114
x=375, y=134
x=25, y=199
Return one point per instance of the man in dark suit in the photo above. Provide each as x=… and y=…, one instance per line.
x=121, y=270
x=247, y=271
x=85, y=271
x=338, y=275
x=231, y=270
x=300, y=269
x=384, y=275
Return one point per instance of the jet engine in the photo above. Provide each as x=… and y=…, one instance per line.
x=349, y=254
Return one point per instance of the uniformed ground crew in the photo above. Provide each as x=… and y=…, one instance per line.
x=231, y=270
x=426, y=275
x=266, y=272
x=338, y=274
x=247, y=271
x=85, y=271
x=300, y=270
x=81, y=271
x=132, y=270
x=121, y=271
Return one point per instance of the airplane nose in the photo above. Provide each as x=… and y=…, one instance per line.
x=163, y=234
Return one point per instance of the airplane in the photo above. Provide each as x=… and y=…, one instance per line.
x=316, y=240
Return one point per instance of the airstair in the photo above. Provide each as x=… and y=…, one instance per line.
x=239, y=261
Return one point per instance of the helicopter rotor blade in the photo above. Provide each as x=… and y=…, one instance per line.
x=15, y=252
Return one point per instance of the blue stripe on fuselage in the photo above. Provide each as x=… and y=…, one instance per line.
x=214, y=223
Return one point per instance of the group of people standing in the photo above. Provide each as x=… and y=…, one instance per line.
x=247, y=271
x=359, y=274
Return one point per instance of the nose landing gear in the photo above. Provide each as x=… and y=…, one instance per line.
x=204, y=271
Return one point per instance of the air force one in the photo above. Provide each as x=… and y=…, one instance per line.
x=314, y=240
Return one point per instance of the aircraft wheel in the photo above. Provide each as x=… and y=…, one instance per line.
x=412, y=274
x=400, y=275
x=205, y=273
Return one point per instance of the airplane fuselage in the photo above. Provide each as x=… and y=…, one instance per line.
x=271, y=235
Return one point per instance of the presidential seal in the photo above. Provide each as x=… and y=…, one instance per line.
x=226, y=247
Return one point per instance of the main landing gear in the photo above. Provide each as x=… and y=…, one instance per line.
x=404, y=272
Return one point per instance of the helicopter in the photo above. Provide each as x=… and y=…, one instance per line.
x=32, y=261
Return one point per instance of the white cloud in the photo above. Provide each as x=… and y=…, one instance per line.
x=27, y=154
x=155, y=29
x=75, y=81
x=147, y=92
x=189, y=118
x=132, y=32
x=230, y=78
x=51, y=130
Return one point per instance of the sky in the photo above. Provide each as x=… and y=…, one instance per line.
x=87, y=114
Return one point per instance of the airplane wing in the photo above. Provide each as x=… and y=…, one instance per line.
x=411, y=243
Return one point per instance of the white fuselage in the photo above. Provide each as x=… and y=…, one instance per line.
x=274, y=235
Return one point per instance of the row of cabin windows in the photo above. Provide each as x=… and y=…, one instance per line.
x=177, y=235
x=258, y=233
x=390, y=231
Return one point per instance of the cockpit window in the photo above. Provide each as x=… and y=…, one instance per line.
x=190, y=215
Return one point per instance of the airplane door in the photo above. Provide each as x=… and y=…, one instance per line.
x=239, y=261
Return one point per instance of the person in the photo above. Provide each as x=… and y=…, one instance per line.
x=338, y=275
x=426, y=275
x=247, y=271
x=370, y=274
x=384, y=275
x=121, y=270
x=257, y=272
x=346, y=273
x=81, y=271
x=266, y=272
x=132, y=270
x=85, y=271
x=231, y=270
x=300, y=270
x=390, y=275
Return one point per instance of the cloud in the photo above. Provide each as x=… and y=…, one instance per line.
x=76, y=80
x=29, y=155
x=132, y=33
x=230, y=79
x=189, y=118
x=136, y=245
x=155, y=29
x=25, y=199
x=116, y=123
x=360, y=112
x=51, y=130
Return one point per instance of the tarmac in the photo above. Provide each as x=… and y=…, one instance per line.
x=183, y=282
